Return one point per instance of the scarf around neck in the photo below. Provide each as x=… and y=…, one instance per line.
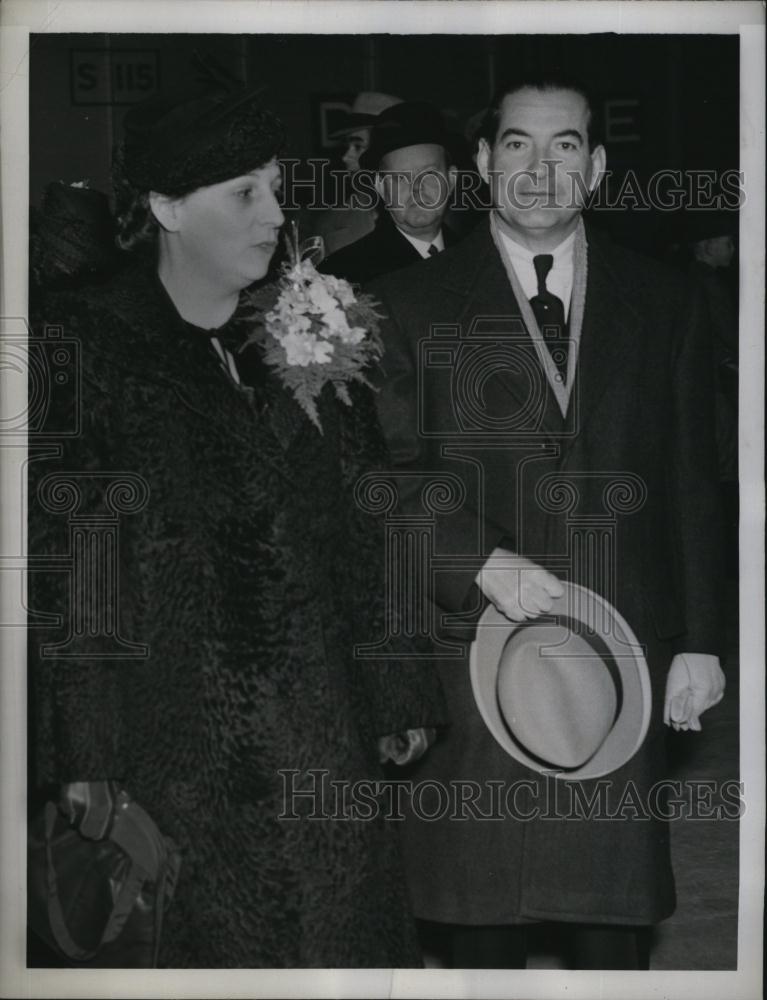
x=562, y=391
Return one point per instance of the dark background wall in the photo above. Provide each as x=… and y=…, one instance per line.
x=667, y=101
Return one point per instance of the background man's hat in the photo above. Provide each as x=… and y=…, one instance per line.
x=364, y=111
x=568, y=694
x=411, y=123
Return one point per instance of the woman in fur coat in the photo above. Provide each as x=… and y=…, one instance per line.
x=210, y=668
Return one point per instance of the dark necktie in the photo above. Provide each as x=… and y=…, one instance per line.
x=549, y=312
x=432, y=251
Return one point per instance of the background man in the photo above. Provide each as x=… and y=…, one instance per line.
x=410, y=153
x=343, y=225
x=604, y=394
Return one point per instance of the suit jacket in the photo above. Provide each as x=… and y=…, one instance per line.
x=466, y=408
x=381, y=252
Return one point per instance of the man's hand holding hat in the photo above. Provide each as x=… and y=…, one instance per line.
x=522, y=590
x=518, y=587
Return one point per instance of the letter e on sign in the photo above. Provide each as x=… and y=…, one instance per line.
x=622, y=120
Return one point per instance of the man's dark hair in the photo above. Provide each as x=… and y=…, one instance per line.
x=488, y=129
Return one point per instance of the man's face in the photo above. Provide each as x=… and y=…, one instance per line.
x=539, y=167
x=358, y=142
x=415, y=184
x=228, y=232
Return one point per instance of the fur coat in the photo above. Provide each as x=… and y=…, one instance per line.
x=216, y=679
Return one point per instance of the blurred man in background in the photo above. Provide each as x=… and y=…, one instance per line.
x=343, y=225
x=410, y=153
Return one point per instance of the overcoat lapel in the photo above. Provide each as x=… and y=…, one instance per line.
x=485, y=287
x=609, y=336
x=393, y=251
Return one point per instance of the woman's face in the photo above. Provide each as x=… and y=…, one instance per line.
x=227, y=233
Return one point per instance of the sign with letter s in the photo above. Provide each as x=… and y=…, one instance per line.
x=113, y=76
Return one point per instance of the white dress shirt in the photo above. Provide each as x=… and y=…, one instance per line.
x=422, y=246
x=559, y=280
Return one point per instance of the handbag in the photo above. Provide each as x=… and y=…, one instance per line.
x=101, y=903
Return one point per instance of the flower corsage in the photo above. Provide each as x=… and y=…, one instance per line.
x=313, y=328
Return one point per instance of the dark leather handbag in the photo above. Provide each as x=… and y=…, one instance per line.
x=100, y=903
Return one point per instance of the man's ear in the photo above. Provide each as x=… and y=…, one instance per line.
x=378, y=184
x=166, y=210
x=598, y=164
x=452, y=177
x=483, y=160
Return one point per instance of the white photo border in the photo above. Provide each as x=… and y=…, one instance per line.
x=19, y=18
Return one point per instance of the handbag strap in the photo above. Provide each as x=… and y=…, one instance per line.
x=120, y=911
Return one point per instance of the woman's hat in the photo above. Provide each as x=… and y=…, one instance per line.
x=568, y=694
x=192, y=138
x=364, y=111
x=411, y=123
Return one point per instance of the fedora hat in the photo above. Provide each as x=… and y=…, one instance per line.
x=367, y=106
x=411, y=123
x=568, y=694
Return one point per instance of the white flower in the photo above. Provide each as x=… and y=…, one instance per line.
x=354, y=335
x=341, y=289
x=303, y=349
x=293, y=323
x=298, y=349
x=336, y=322
x=320, y=297
x=323, y=351
x=312, y=316
x=344, y=292
x=292, y=300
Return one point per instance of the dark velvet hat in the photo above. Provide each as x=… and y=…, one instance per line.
x=411, y=123
x=206, y=134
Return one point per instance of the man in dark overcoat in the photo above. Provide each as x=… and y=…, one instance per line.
x=410, y=153
x=560, y=386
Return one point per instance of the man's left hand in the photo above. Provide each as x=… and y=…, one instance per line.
x=694, y=684
x=404, y=748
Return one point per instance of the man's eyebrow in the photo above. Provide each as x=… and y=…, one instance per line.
x=512, y=131
x=572, y=133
